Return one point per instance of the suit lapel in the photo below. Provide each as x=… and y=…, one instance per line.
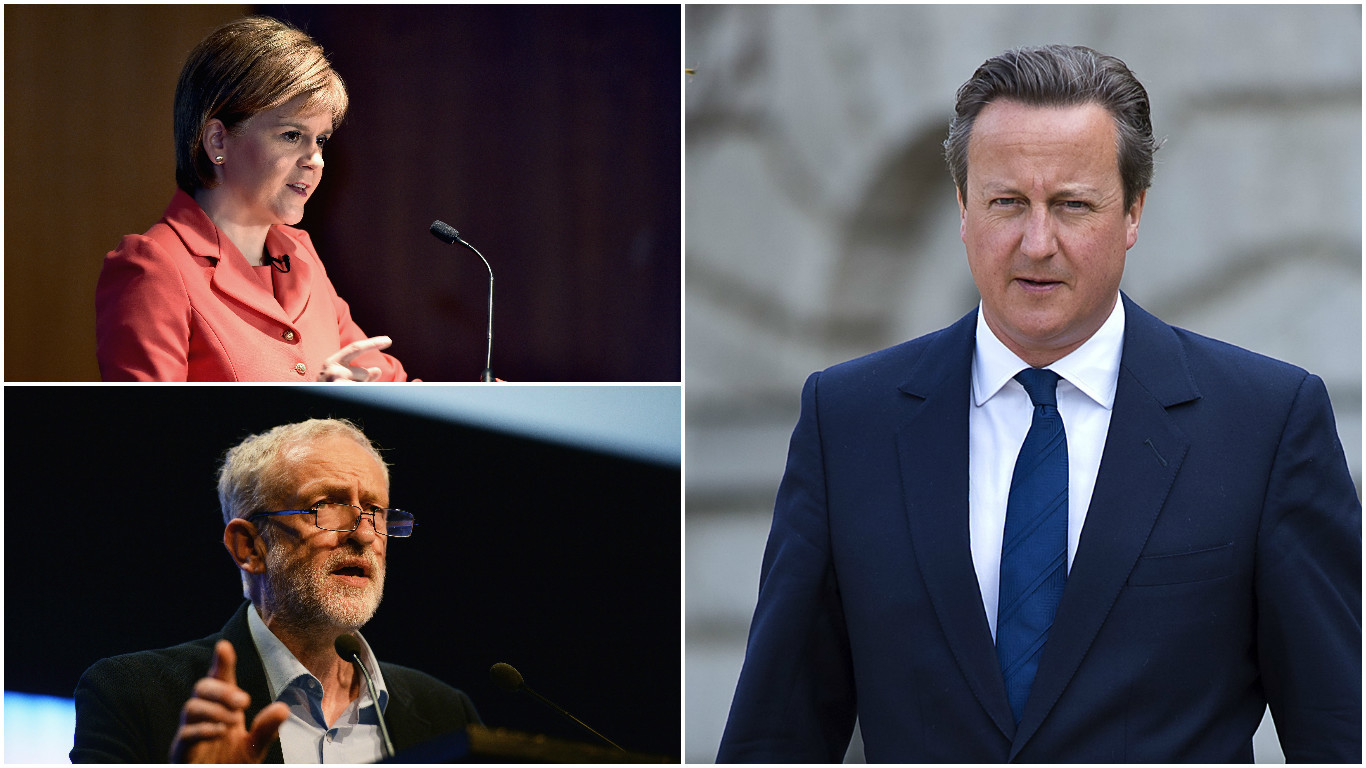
x=1143, y=454
x=933, y=450
x=232, y=275
x=398, y=712
x=233, y=278
x=291, y=288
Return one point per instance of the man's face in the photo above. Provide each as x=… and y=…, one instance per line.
x=317, y=578
x=1045, y=224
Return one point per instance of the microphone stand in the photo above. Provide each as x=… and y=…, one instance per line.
x=374, y=697
x=488, y=357
x=527, y=689
x=448, y=234
x=352, y=648
x=507, y=676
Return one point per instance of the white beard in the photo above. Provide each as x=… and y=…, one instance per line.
x=307, y=597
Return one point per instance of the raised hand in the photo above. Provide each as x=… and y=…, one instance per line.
x=213, y=720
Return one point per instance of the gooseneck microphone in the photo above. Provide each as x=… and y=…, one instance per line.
x=448, y=234
x=507, y=676
x=348, y=647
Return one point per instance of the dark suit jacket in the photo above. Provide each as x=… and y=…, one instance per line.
x=128, y=707
x=1219, y=569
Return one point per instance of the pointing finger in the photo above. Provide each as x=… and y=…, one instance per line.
x=349, y=352
x=224, y=665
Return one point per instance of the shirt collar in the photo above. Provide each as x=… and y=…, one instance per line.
x=1093, y=368
x=283, y=670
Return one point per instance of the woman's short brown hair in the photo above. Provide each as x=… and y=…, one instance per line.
x=240, y=69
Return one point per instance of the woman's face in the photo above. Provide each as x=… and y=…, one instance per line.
x=272, y=163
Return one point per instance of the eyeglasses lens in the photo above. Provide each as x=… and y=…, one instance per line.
x=343, y=517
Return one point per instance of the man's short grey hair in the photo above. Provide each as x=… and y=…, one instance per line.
x=253, y=479
x=1060, y=76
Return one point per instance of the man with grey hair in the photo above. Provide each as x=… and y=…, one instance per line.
x=1058, y=530
x=308, y=523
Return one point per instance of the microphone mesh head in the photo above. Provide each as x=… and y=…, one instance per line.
x=346, y=646
x=445, y=232
x=506, y=676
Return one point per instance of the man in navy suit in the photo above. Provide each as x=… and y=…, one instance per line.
x=1059, y=529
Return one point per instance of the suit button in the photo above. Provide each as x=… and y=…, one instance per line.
x=301, y=369
x=289, y=335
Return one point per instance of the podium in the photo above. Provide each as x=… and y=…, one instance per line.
x=477, y=744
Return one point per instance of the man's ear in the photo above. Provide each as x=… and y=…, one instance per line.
x=962, y=215
x=1131, y=218
x=246, y=546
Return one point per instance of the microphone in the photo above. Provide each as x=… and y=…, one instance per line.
x=274, y=262
x=448, y=234
x=348, y=647
x=507, y=676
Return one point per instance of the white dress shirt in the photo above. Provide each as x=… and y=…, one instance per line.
x=306, y=737
x=999, y=419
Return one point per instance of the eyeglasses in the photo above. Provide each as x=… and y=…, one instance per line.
x=331, y=516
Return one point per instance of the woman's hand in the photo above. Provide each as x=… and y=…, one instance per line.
x=338, y=367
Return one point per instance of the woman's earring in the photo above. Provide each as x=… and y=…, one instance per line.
x=218, y=159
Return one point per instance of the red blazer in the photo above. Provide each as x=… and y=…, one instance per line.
x=180, y=303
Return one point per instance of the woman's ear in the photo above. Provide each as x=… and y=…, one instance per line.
x=215, y=140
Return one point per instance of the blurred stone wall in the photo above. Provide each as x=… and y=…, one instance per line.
x=821, y=225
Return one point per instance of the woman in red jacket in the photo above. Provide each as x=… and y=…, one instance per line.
x=223, y=288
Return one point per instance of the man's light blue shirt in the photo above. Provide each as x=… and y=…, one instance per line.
x=306, y=737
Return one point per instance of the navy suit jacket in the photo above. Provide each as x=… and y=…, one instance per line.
x=128, y=707
x=1219, y=570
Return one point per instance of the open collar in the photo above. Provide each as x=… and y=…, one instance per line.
x=284, y=671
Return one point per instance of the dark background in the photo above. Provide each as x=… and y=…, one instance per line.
x=550, y=136
x=561, y=562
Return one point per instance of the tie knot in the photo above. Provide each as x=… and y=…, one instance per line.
x=1041, y=384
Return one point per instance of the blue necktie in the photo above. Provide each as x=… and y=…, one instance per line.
x=1034, y=551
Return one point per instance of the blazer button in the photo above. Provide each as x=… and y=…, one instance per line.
x=289, y=335
x=301, y=369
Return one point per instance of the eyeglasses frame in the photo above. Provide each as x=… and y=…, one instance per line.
x=363, y=512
